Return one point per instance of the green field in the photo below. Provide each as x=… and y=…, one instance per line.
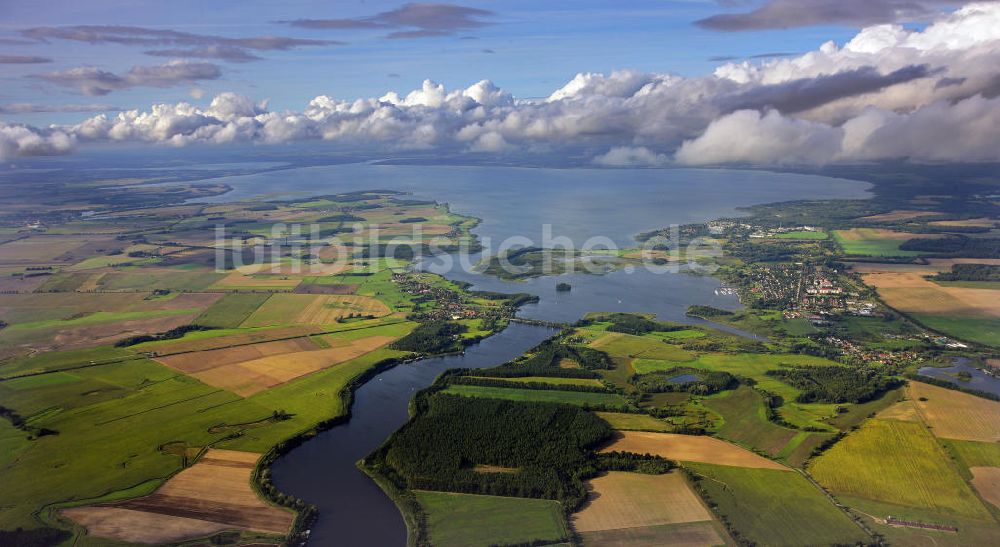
x=142, y=281
x=230, y=310
x=633, y=422
x=984, y=330
x=646, y=347
x=582, y=398
x=870, y=242
x=469, y=520
x=128, y=410
x=899, y=463
x=592, y=382
x=801, y=234
x=745, y=421
x=771, y=507
x=974, y=454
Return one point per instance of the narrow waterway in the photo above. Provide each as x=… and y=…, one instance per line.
x=353, y=510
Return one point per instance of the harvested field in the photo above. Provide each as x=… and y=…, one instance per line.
x=310, y=309
x=140, y=526
x=21, y=284
x=203, y=360
x=986, y=481
x=689, y=534
x=693, y=448
x=109, y=333
x=237, y=280
x=37, y=249
x=910, y=292
x=903, y=411
x=981, y=222
x=632, y=500
x=955, y=415
x=170, y=347
x=212, y=495
x=246, y=370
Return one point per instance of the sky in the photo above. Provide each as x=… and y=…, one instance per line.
x=639, y=83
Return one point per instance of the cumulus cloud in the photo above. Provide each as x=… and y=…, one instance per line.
x=23, y=59
x=20, y=140
x=889, y=93
x=423, y=20
x=186, y=44
x=803, y=13
x=94, y=81
x=631, y=156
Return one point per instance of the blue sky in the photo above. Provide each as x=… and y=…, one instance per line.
x=639, y=83
x=530, y=48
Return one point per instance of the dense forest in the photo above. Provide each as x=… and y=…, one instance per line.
x=834, y=384
x=970, y=272
x=636, y=324
x=432, y=337
x=544, y=359
x=549, y=445
x=971, y=247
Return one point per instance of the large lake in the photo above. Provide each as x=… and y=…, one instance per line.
x=578, y=204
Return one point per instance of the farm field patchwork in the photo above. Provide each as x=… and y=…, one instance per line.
x=690, y=448
x=797, y=513
x=900, y=463
x=249, y=369
x=310, y=309
x=475, y=520
x=212, y=495
x=963, y=310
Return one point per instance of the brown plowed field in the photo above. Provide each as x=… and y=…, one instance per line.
x=212, y=495
x=246, y=370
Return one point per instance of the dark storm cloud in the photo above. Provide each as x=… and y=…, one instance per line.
x=23, y=60
x=777, y=14
x=424, y=20
x=806, y=93
x=94, y=81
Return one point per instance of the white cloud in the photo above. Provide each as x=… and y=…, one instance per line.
x=631, y=156
x=889, y=93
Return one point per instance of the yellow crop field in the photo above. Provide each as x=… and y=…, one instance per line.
x=955, y=415
x=693, y=448
x=631, y=500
